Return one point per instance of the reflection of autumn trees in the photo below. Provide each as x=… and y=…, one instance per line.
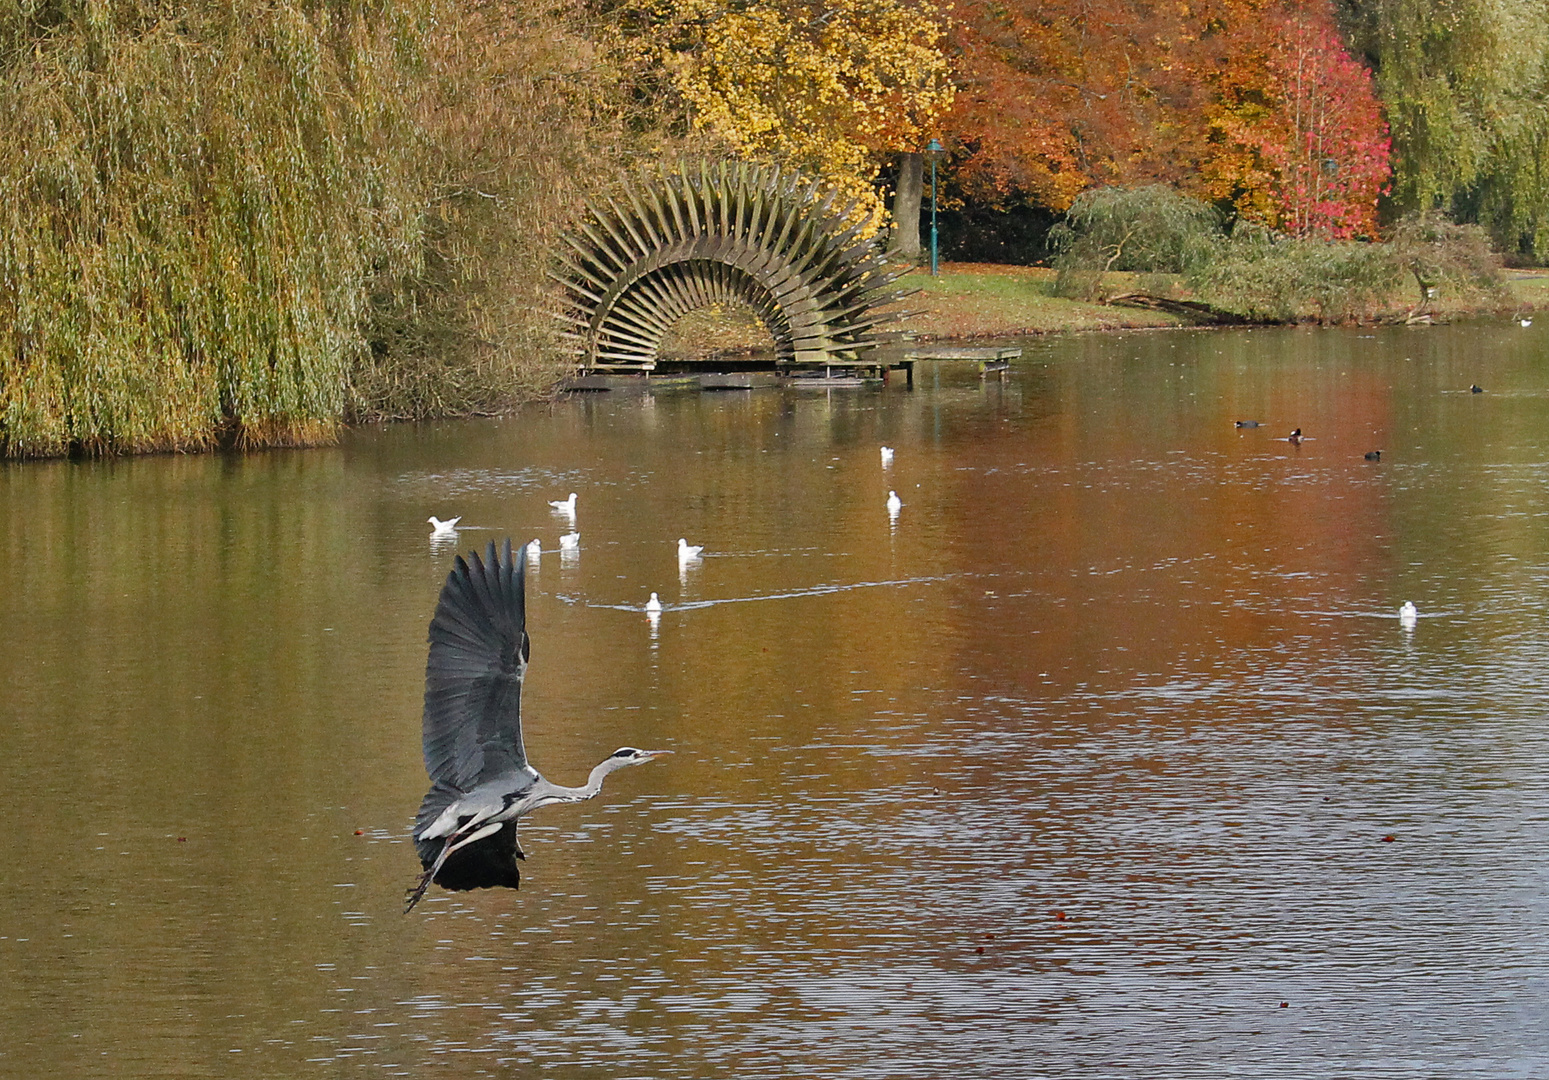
x=1129, y=561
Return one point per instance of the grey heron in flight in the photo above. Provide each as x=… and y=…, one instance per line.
x=480, y=781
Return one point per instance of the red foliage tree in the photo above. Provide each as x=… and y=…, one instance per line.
x=1245, y=101
x=1296, y=134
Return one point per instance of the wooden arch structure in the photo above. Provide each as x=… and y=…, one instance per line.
x=672, y=242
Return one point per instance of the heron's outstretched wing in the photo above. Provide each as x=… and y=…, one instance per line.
x=484, y=864
x=473, y=678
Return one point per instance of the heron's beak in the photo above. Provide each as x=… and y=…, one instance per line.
x=649, y=754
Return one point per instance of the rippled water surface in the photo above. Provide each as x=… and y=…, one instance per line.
x=1110, y=757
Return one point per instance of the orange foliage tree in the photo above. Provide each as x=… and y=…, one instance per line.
x=1055, y=96
x=1255, y=103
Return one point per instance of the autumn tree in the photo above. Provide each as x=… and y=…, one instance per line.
x=831, y=87
x=1058, y=96
x=1296, y=135
x=1254, y=103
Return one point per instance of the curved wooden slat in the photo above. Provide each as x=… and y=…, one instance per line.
x=675, y=240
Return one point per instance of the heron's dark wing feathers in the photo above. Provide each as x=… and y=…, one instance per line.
x=438, y=798
x=473, y=677
x=484, y=864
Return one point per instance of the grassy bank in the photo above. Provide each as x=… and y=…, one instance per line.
x=970, y=300
x=973, y=300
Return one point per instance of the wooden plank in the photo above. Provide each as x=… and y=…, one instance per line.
x=635, y=383
x=660, y=383
x=822, y=358
x=965, y=352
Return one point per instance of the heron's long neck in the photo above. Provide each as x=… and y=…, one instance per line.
x=556, y=793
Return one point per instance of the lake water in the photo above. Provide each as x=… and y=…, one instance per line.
x=1109, y=757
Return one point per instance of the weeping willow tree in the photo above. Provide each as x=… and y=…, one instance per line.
x=520, y=115
x=245, y=222
x=1154, y=229
x=1465, y=85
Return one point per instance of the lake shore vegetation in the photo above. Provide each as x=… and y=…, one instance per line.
x=243, y=223
x=990, y=300
x=1186, y=250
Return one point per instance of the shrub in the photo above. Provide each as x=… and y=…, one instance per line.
x=1441, y=255
x=1265, y=275
x=1260, y=274
x=1153, y=229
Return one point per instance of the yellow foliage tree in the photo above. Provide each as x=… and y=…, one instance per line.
x=829, y=86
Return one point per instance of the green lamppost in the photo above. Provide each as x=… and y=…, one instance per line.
x=934, y=152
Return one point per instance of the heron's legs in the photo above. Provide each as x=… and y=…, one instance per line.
x=424, y=882
x=452, y=844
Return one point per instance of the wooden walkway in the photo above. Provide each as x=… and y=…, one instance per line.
x=713, y=380
x=990, y=359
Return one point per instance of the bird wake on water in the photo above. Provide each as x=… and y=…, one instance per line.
x=480, y=781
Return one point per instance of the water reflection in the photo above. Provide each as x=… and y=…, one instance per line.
x=1122, y=703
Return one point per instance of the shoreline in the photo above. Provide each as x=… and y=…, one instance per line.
x=966, y=302
x=970, y=302
x=974, y=301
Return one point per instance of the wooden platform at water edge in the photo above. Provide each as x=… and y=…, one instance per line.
x=990, y=359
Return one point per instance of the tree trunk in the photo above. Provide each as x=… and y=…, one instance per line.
x=906, y=207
